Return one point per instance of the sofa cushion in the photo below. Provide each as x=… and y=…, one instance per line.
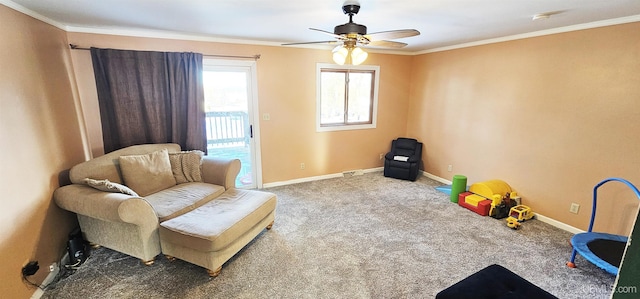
x=218, y=223
x=147, y=174
x=107, y=186
x=186, y=166
x=182, y=198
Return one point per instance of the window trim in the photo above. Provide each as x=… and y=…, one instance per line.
x=374, y=108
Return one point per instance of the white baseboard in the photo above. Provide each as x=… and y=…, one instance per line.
x=38, y=293
x=302, y=180
x=436, y=178
x=52, y=275
x=377, y=169
x=558, y=224
x=316, y=178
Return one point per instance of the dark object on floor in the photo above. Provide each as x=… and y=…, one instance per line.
x=502, y=210
x=494, y=281
x=76, y=247
x=403, y=161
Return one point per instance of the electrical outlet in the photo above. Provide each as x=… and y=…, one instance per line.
x=574, y=208
x=381, y=156
x=52, y=267
x=450, y=168
x=301, y=165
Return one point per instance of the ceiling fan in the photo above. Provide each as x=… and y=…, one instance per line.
x=350, y=36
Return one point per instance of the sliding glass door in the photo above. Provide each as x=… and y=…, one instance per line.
x=230, y=102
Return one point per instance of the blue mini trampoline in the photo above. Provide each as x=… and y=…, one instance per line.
x=602, y=249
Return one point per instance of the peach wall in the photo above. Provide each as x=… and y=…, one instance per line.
x=40, y=138
x=552, y=116
x=286, y=90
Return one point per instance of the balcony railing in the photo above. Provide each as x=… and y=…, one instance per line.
x=225, y=129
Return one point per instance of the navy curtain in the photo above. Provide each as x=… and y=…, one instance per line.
x=150, y=97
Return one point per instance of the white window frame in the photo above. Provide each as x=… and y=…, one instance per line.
x=374, y=111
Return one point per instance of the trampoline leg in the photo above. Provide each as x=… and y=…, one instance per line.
x=571, y=264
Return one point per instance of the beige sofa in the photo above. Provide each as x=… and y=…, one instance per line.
x=130, y=224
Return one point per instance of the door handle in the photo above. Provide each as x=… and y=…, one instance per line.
x=250, y=131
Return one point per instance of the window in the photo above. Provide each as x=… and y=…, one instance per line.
x=347, y=97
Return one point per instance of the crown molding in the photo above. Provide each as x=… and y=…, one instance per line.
x=165, y=35
x=33, y=14
x=591, y=25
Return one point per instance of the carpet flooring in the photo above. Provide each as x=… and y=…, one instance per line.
x=355, y=237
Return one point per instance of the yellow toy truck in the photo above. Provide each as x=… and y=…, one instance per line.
x=517, y=215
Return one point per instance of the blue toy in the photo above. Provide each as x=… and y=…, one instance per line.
x=446, y=189
x=613, y=245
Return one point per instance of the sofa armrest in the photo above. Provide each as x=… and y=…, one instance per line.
x=116, y=207
x=222, y=172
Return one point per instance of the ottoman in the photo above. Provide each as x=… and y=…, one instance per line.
x=211, y=234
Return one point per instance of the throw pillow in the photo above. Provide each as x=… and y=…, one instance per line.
x=147, y=174
x=186, y=166
x=108, y=186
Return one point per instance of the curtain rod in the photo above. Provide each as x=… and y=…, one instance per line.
x=256, y=57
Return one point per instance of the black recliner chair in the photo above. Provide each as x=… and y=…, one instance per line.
x=403, y=161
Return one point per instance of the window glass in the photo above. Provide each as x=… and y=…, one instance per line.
x=360, y=97
x=332, y=97
x=347, y=97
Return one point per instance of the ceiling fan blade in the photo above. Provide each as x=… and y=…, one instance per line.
x=328, y=33
x=392, y=34
x=386, y=44
x=330, y=42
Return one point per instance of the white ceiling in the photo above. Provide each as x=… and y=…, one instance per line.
x=442, y=23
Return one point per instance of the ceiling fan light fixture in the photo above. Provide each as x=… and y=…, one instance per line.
x=358, y=56
x=344, y=53
x=340, y=54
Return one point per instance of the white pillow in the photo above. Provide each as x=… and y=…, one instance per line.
x=107, y=186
